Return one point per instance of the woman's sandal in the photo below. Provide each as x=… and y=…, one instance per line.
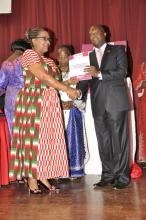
x=33, y=191
x=50, y=188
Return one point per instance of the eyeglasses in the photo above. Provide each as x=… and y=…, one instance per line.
x=45, y=38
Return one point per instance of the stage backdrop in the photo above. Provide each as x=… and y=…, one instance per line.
x=71, y=19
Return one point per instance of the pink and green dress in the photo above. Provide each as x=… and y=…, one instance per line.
x=38, y=143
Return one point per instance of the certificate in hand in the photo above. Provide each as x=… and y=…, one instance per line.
x=77, y=64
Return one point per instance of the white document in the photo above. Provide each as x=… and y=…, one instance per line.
x=77, y=64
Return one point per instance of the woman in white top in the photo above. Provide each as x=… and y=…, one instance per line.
x=73, y=121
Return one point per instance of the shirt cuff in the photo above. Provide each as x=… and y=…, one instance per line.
x=100, y=76
x=80, y=97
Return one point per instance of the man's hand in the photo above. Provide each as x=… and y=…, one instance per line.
x=91, y=70
x=73, y=93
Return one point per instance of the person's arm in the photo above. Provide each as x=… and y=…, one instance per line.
x=38, y=70
x=120, y=70
x=71, y=81
x=2, y=91
x=4, y=79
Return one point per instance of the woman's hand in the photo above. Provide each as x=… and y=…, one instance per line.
x=73, y=81
x=73, y=93
x=67, y=105
x=2, y=91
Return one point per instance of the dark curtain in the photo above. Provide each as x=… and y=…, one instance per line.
x=70, y=20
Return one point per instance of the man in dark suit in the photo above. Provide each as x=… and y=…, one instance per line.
x=110, y=106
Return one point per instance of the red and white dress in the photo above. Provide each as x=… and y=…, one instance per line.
x=38, y=142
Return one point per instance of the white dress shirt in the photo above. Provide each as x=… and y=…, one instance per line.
x=98, y=52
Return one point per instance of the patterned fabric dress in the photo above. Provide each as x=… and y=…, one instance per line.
x=38, y=144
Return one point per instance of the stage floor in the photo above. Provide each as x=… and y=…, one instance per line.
x=77, y=200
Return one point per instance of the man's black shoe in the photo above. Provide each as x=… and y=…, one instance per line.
x=120, y=185
x=103, y=183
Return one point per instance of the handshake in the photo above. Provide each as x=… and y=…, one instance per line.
x=73, y=93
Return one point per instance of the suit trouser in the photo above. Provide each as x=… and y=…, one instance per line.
x=112, y=136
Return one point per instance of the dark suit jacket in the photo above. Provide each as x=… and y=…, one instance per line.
x=110, y=93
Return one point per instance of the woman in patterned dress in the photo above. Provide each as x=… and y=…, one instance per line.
x=38, y=144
